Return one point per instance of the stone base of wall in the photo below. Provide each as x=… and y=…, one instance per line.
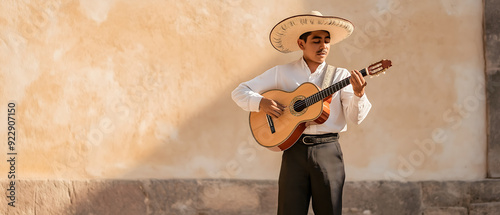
x=242, y=197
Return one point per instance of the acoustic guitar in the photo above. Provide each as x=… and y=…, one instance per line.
x=305, y=104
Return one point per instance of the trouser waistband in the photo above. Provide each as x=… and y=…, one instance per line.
x=316, y=139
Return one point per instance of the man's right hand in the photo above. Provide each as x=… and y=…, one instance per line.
x=271, y=107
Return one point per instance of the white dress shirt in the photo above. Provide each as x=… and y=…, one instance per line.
x=344, y=105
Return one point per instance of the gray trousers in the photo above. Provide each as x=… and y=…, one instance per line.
x=311, y=171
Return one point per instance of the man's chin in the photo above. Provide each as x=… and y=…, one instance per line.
x=318, y=58
x=321, y=58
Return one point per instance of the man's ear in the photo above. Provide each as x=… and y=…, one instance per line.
x=301, y=44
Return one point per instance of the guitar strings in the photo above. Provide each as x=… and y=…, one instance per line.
x=302, y=104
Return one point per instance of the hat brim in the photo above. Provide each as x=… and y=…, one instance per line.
x=284, y=35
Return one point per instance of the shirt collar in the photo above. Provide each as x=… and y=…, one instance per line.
x=318, y=70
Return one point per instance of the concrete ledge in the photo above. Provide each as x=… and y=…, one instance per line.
x=212, y=196
x=382, y=197
x=445, y=211
x=485, y=208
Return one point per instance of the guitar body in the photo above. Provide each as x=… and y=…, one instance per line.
x=279, y=134
x=305, y=104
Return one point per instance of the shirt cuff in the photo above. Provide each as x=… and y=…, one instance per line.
x=360, y=99
x=254, y=103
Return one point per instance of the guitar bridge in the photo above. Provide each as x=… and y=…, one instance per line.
x=270, y=123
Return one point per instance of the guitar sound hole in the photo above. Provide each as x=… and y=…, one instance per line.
x=299, y=105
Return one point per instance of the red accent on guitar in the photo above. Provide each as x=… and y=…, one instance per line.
x=304, y=104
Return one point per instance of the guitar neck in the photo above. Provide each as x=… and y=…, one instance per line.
x=330, y=90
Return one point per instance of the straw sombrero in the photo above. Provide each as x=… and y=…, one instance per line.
x=284, y=35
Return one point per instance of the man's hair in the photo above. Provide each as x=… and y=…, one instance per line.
x=305, y=35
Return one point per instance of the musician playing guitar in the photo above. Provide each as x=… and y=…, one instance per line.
x=313, y=165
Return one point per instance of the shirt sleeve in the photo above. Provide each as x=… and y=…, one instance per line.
x=355, y=108
x=248, y=94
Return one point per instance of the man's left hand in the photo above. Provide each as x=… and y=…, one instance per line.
x=358, y=83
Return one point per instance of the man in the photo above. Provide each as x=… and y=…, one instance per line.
x=312, y=168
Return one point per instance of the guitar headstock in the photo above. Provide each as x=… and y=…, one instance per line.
x=379, y=67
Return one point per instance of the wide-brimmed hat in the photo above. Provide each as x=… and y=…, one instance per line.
x=284, y=35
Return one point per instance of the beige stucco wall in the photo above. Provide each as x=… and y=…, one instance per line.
x=141, y=89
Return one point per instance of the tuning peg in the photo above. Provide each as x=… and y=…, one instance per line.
x=371, y=76
x=383, y=73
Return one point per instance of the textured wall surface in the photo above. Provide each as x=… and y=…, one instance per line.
x=141, y=89
x=492, y=57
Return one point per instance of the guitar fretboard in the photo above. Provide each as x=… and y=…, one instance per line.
x=301, y=105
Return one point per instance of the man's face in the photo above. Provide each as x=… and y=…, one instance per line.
x=317, y=46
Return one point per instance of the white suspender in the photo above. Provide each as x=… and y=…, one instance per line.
x=330, y=72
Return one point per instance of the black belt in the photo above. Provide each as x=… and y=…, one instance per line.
x=316, y=139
